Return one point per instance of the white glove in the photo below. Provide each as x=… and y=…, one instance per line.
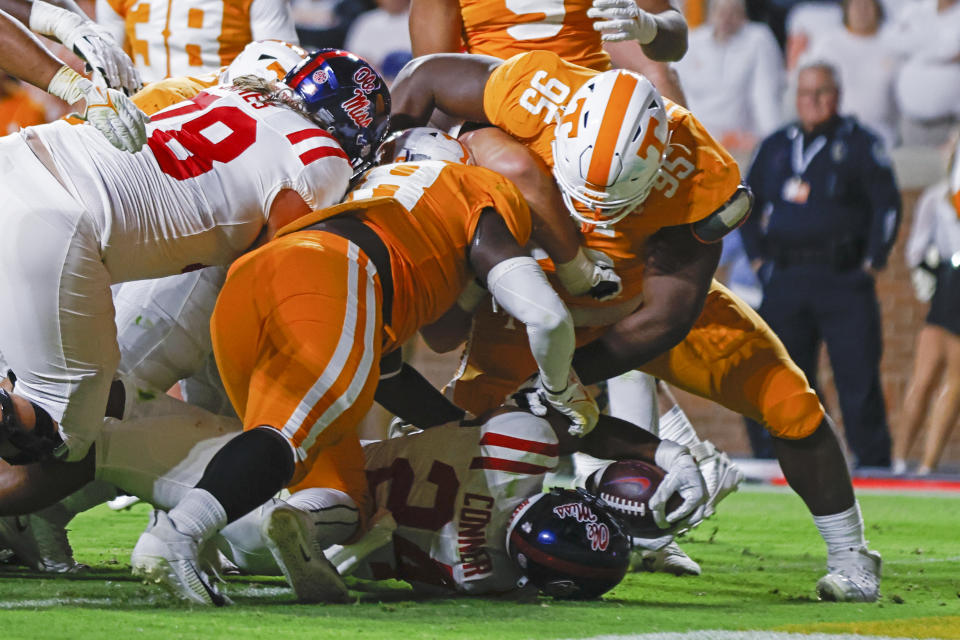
x=683, y=477
x=573, y=402
x=111, y=112
x=92, y=42
x=924, y=283
x=592, y=272
x=620, y=20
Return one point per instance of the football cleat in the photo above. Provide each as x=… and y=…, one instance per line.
x=289, y=534
x=721, y=474
x=669, y=559
x=165, y=556
x=39, y=544
x=852, y=576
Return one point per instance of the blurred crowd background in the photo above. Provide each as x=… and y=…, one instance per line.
x=898, y=66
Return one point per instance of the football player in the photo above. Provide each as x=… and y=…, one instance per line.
x=300, y=354
x=630, y=31
x=66, y=22
x=637, y=33
x=656, y=193
x=184, y=202
x=168, y=40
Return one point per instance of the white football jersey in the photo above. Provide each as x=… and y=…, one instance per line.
x=200, y=191
x=452, y=491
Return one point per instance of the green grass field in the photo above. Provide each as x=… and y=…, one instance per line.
x=761, y=558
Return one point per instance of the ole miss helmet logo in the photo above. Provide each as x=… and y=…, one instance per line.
x=358, y=108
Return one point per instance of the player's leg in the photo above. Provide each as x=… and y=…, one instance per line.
x=732, y=357
x=298, y=357
x=929, y=357
x=943, y=418
x=57, y=334
x=849, y=318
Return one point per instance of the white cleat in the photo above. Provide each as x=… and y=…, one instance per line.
x=289, y=534
x=722, y=476
x=852, y=576
x=669, y=559
x=39, y=544
x=169, y=558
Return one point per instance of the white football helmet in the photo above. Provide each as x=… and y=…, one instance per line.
x=608, y=146
x=422, y=143
x=267, y=59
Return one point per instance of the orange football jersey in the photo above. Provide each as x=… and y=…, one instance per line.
x=504, y=28
x=426, y=214
x=526, y=95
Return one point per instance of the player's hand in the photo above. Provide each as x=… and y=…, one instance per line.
x=110, y=65
x=619, y=20
x=574, y=402
x=111, y=112
x=683, y=477
x=605, y=284
x=590, y=272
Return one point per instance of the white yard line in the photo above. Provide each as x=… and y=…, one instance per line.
x=740, y=635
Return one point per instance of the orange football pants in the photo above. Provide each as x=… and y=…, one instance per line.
x=730, y=356
x=297, y=334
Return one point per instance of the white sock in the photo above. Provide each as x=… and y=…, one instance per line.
x=335, y=514
x=842, y=531
x=675, y=426
x=199, y=515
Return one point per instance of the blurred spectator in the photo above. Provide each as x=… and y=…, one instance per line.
x=382, y=37
x=17, y=108
x=807, y=22
x=825, y=218
x=927, y=34
x=167, y=39
x=933, y=253
x=733, y=76
x=867, y=66
x=324, y=23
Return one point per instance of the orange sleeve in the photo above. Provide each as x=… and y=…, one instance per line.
x=484, y=188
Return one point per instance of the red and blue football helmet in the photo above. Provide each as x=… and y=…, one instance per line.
x=347, y=97
x=569, y=544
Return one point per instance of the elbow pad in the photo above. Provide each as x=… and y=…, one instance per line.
x=521, y=288
x=728, y=217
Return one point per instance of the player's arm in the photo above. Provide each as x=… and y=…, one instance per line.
x=405, y=393
x=112, y=113
x=451, y=82
x=679, y=270
x=520, y=287
x=435, y=27
x=656, y=25
x=67, y=23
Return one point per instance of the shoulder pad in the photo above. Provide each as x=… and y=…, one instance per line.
x=728, y=217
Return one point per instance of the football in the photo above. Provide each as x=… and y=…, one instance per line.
x=627, y=486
